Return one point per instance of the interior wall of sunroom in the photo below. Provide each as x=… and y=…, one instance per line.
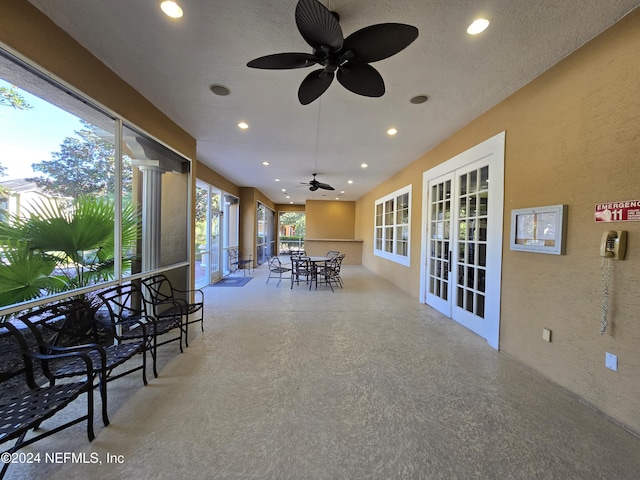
x=571, y=138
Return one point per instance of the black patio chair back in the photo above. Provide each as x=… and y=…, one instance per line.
x=301, y=269
x=71, y=326
x=276, y=269
x=127, y=307
x=25, y=404
x=166, y=301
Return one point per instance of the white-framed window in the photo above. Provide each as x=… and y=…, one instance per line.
x=392, y=231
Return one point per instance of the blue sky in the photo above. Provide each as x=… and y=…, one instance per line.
x=29, y=136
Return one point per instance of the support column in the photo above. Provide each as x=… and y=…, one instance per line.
x=151, y=216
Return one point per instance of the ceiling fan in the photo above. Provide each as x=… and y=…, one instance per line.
x=315, y=184
x=350, y=56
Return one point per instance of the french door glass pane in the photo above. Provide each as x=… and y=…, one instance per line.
x=472, y=240
x=440, y=226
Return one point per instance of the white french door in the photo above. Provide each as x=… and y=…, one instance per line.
x=463, y=238
x=440, y=247
x=208, y=238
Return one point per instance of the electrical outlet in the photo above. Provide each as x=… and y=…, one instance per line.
x=611, y=361
x=546, y=334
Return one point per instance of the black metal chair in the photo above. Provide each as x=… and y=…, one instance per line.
x=70, y=326
x=276, y=269
x=238, y=262
x=126, y=306
x=168, y=302
x=301, y=269
x=331, y=272
x=25, y=408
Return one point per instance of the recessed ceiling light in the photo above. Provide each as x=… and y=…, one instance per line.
x=341, y=191
x=276, y=180
x=392, y=131
x=264, y=163
x=350, y=182
x=364, y=165
x=418, y=99
x=284, y=189
x=478, y=26
x=219, y=90
x=288, y=196
x=291, y=203
x=243, y=125
x=171, y=9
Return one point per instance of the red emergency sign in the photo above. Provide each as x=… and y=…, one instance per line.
x=625, y=211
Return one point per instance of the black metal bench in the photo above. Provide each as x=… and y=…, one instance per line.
x=28, y=404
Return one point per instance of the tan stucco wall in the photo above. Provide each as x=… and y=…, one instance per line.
x=249, y=198
x=289, y=208
x=330, y=219
x=174, y=243
x=213, y=178
x=571, y=138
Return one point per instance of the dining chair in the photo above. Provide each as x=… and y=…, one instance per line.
x=301, y=269
x=332, y=271
x=276, y=269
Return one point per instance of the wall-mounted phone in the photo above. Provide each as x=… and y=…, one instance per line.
x=614, y=244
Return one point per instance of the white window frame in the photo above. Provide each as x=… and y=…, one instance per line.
x=388, y=221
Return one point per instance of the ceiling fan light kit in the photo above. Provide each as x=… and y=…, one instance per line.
x=347, y=59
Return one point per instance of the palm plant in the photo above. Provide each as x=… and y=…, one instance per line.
x=77, y=240
x=25, y=274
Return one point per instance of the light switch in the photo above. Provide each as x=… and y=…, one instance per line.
x=611, y=361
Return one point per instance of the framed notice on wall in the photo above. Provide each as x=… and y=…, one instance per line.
x=539, y=229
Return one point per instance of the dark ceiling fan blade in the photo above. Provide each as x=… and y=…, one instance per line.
x=281, y=61
x=314, y=85
x=324, y=186
x=378, y=42
x=318, y=26
x=361, y=79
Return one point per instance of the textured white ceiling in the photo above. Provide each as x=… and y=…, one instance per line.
x=172, y=63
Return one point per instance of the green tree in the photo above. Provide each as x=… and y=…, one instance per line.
x=85, y=165
x=10, y=97
x=296, y=219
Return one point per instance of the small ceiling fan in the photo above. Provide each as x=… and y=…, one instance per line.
x=350, y=56
x=315, y=184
